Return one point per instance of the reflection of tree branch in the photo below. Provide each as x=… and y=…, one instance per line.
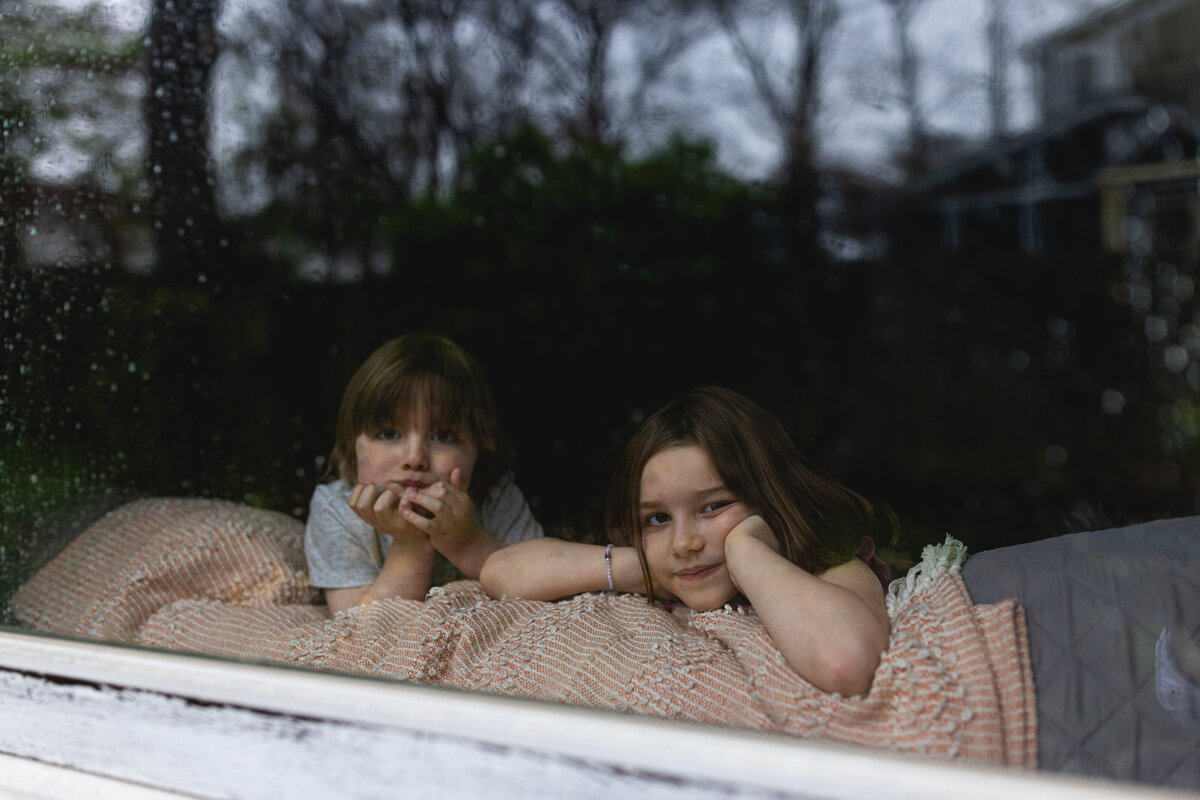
x=320, y=77
x=815, y=19
x=593, y=23
x=182, y=48
x=515, y=29
x=903, y=12
x=654, y=62
x=794, y=117
x=755, y=64
x=429, y=32
x=999, y=48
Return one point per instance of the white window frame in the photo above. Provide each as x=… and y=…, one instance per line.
x=102, y=720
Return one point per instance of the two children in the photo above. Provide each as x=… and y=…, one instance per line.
x=710, y=504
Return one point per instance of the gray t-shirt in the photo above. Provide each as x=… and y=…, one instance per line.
x=344, y=551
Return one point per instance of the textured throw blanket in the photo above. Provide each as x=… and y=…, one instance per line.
x=225, y=579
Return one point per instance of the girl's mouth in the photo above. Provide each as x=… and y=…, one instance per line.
x=698, y=572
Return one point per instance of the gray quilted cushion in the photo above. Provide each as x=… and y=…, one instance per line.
x=1096, y=604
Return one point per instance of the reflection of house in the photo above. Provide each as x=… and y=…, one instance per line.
x=1141, y=46
x=1112, y=164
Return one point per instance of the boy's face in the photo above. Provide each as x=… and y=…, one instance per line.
x=414, y=453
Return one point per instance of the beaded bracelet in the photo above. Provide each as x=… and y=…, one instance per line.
x=608, y=566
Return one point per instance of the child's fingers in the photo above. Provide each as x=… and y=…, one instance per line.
x=426, y=504
x=442, y=498
x=449, y=494
x=363, y=497
x=387, y=499
x=414, y=518
x=420, y=510
x=456, y=477
x=357, y=492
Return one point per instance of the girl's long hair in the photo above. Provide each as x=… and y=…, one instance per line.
x=421, y=372
x=818, y=522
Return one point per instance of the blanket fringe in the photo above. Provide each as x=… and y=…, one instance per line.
x=936, y=560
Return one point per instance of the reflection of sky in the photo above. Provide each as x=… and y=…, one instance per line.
x=861, y=120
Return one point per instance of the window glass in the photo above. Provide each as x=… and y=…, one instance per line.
x=878, y=219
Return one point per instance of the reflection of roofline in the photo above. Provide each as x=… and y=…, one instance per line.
x=1124, y=104
x=1099, y=18
x=1020, y=195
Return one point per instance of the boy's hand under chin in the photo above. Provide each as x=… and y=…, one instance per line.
x=446, y=513
x=382, y=508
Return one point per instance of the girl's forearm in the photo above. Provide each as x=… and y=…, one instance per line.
x=828, y=633
x=550, y=569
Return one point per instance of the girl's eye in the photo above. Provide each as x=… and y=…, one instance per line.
x=716, y=505
x=445, y=437
x=388, y=435
x=658, y=518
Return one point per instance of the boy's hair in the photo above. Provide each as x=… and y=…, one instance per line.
x=422, y=371
x=818, y=522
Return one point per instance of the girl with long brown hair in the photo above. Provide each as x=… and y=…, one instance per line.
x=712, y=504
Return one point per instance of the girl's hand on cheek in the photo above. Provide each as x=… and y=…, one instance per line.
x=749, y=534
x=754, y=527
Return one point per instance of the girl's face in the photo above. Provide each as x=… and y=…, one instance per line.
x=686, y=512
x=414, y=453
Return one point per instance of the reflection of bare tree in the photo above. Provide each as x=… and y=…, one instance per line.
x=181, y=51
x=583, y=70
x=794, y=102
x=379, y=102
x=438, y=92
x=903, y=11
x=1000, y=47
x=569, y=46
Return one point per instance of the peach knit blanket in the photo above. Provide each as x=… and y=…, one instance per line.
x=219, y=578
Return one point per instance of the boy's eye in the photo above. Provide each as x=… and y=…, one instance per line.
x=445, y=437
x=388, y=435
x=658, y=518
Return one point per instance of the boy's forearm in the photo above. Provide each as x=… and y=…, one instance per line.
x=469, y=557
x=407, y=573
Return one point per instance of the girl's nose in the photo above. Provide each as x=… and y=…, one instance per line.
x=686, y=538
